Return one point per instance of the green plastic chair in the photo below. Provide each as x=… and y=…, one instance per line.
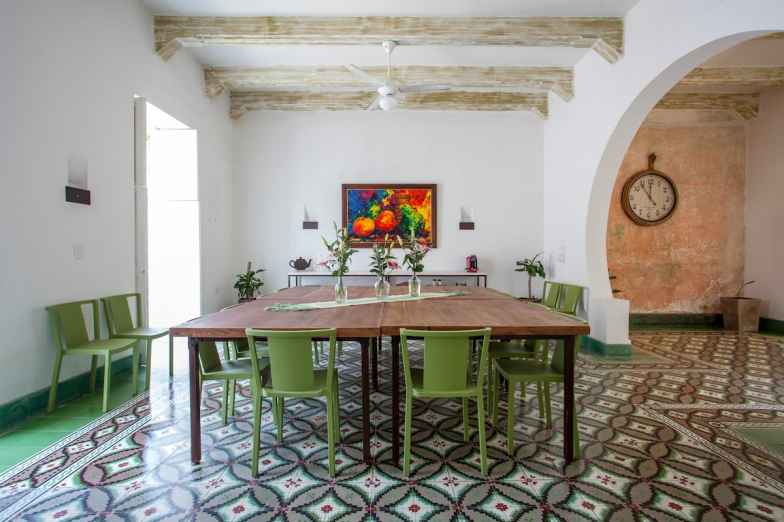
x=522, y=350
x=291, y=374
x=446, y=373
x=70, y=335
x=228, y=371
x=121, y=326
x=520, y=371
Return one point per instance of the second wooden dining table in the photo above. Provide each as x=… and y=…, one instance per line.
x=475, y=308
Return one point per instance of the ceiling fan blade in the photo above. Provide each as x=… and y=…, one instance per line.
x=374, y=106
x=407, y=89
x=359, y=73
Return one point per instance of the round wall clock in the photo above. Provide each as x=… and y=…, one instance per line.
x=649, y=197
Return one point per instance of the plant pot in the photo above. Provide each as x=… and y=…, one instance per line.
x=741, y=314
x=246, y=299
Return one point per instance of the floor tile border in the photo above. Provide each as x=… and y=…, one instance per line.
x=99, y=450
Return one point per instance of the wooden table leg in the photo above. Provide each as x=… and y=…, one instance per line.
x=374, y=347
x=193, y=375
x=395, y=400
x=364, y=347
x=569, y=412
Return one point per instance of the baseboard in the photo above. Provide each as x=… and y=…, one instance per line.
x=773, y=326
x=17, y=410
x=597, y=347
x=676, y=320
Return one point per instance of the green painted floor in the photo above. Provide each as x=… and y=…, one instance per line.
x=38, y=432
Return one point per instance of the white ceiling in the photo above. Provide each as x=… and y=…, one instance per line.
x=391, y=8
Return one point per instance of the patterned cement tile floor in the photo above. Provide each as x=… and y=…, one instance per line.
x=670, y=434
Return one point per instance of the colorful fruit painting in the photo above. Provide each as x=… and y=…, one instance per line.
x=372, y=211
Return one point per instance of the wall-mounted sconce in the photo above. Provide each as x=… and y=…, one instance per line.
x=76, y=188
x=308, y=223
x=466, y=219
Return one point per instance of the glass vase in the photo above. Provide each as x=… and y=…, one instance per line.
x=341, y=291
x=414, y=286
x=381, y=287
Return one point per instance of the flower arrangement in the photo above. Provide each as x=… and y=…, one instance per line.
x=381, y=258
x=248, y=283
x=416, y=250
x=340, y=250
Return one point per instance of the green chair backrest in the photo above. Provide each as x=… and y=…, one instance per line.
x=68, y=325
x=118, y=312
x=291, y=358
x=209, y=359
x=447, y=357
x=570, y=297
x=551, y=293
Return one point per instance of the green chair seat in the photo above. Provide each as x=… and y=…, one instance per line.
x=121, y=325
x=505, y=349
x=516, y=368
x=144, y=333
x=70, y=335
x=238, y=369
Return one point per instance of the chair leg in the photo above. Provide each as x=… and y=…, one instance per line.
x=510, y=416
x=256, y=433
x=481, y=428
x=107, y=381
x=540, y=395
x=280, y=418
x=548, y=405
x=337, y=410
x=55, y=380
x=232, y=396
x=496, y=397
x=148, y=369
x=225, y=402
x=407, y=436
x=465, y=419
x=93, y=372
x=331, y=433
x=171, y=356
x=135, y=369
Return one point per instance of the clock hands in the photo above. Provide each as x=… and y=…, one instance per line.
x=648, y=192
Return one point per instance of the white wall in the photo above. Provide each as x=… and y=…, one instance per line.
x=70, y=70
x=764, y=207
x=585, y=139
x=491, y=162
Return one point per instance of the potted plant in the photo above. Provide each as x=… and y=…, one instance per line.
x=340, y=250
x=741, y=314
x=248, y=284
x=534, y=268
x=381, y=259
x=416, y=251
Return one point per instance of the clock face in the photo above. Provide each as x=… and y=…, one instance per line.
x=649, y=198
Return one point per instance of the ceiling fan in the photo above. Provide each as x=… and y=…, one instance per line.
x=390, y=92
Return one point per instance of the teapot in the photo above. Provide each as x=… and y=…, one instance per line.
x=300, y=263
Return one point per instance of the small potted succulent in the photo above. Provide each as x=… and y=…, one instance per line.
x=248, y=283
x=381, y=260
x=534, y=268
x=741, y=314
x=416, y=250
x=340, y=250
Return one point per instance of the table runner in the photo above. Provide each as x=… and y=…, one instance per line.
x=300, y=307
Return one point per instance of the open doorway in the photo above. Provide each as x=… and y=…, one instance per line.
x=167, y=223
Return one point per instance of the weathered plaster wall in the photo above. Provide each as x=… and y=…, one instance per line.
x=688, y=262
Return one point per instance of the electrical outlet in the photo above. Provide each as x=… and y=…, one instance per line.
x=78, y=252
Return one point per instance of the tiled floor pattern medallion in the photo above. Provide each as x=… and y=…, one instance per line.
x=662, y=439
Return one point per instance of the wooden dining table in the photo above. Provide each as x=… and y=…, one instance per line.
x=474, y=308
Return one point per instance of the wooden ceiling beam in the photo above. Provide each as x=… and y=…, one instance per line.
x=241, y=102
x=605, y=35
x=746, y=77
x=338, y=78
x=745, y=106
